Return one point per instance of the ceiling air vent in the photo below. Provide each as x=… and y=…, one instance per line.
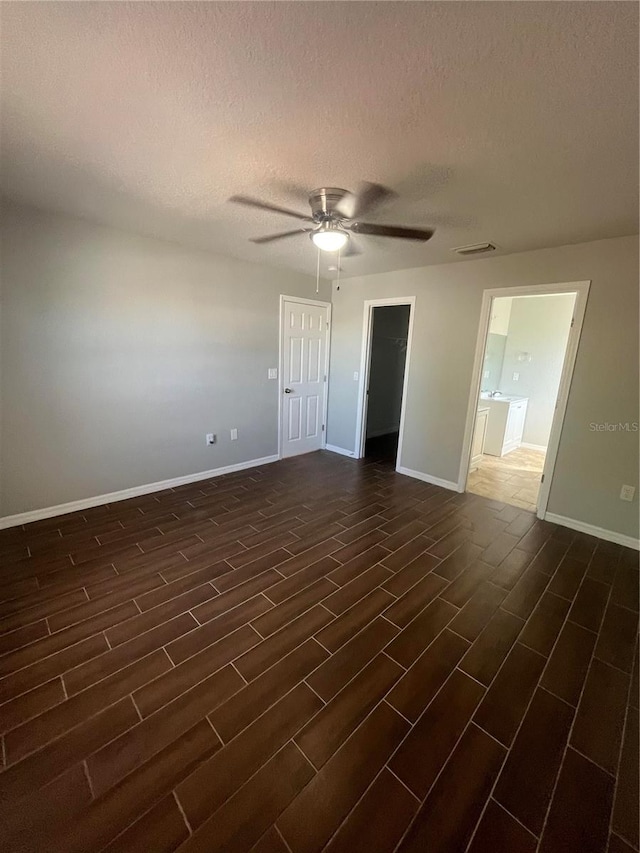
x=477, y=249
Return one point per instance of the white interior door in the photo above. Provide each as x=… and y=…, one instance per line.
x=305, y=330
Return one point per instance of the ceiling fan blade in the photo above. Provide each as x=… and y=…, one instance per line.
x=369, y=196
x=261, y=205
x=398, y=231
x=281, y=235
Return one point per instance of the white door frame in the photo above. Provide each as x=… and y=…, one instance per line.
x=581, y=289
x=365, y=363
x=280, y=383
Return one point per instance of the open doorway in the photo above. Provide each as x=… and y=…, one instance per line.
x=385, y=355
x=519, y=400
x=389, y=335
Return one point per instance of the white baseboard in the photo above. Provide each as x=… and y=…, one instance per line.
x=113, y=497
x=592, y=530
x=340, y=450
x=510, y=446
x=541, y=447
x=427, y=478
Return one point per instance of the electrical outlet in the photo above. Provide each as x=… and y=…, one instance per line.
x=627, y=493
x=210, y=438
x=516, y=376
x=272, y=373
x=355, y=376
x=234, y=434
x=486, y=374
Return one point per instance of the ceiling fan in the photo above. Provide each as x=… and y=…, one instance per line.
x=335, y=214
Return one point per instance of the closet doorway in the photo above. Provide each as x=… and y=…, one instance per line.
x=386, y=344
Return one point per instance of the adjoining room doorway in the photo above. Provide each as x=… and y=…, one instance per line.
x=521, y=384
x=386, y=344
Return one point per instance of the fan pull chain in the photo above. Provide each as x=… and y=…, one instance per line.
x=318, y=273
x=338, y=279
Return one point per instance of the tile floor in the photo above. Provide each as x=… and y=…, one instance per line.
x=513, y=479
x=320, y=654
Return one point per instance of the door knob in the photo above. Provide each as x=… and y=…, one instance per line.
x=288, y=390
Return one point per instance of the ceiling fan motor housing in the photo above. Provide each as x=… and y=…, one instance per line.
x=323, y=202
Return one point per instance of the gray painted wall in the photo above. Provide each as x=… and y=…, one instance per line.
x=540, y=326
x=120, y=352
x=386, y=374
x=591, y=465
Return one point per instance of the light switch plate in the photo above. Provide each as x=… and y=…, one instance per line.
x=627, y=493
x=272, y=373
x=234, y=434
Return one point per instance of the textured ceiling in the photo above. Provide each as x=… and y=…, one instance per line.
x=513, y=122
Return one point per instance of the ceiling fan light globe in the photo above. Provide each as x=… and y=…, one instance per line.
x=330, y=240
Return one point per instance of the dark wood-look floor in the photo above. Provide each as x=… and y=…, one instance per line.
x=318, y=654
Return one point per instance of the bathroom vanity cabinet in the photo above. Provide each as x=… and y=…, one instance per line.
x=505, y=424
x=479, y=433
